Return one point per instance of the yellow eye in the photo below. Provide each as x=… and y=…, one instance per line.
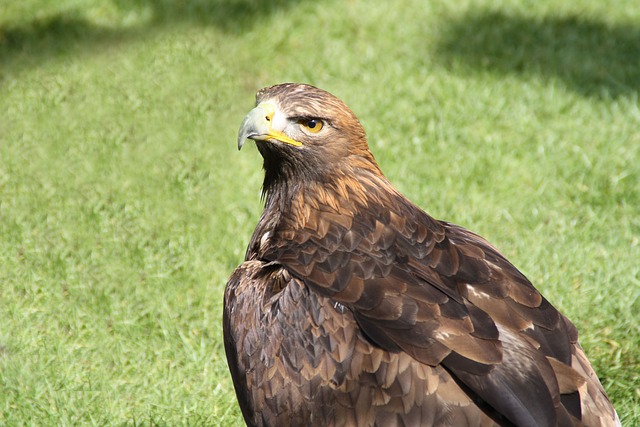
x=312, y=125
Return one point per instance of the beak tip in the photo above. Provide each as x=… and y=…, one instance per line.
x=247, y=128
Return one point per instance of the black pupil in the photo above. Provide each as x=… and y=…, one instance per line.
x=312, y=123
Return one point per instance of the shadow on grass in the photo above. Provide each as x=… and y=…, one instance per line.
x=591, y=57
x=71, y=31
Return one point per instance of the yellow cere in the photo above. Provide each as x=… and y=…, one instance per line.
x=275, y=134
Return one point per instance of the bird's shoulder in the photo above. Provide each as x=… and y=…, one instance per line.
x=435, y=291
x=392, y=263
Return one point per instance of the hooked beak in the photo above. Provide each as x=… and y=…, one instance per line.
x=258, y=125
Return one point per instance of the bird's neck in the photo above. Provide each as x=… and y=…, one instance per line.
x=346, y=185
x=293, y=202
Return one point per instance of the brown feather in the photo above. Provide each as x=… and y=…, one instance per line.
x=355, y=307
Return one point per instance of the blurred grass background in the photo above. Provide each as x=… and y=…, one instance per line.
x=124, y=205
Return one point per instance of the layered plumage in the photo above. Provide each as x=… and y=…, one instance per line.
x=355, y=308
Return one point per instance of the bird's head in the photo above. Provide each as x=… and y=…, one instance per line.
x=303, y=132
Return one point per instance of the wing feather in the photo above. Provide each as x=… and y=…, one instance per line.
x=439, y=293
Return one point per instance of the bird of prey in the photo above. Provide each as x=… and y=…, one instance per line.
x=354, y=307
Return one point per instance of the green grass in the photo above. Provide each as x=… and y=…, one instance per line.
x=124, y=205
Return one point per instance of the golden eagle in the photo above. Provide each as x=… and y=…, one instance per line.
x=354, y=307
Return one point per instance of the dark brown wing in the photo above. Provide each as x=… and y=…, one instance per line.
x=439, y=293
x=298, y=358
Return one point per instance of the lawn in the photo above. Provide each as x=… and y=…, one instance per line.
x=124, y=204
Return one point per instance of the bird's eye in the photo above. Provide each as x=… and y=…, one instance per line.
x=312, y=125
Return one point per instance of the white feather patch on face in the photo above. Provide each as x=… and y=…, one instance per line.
x=279, y=120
